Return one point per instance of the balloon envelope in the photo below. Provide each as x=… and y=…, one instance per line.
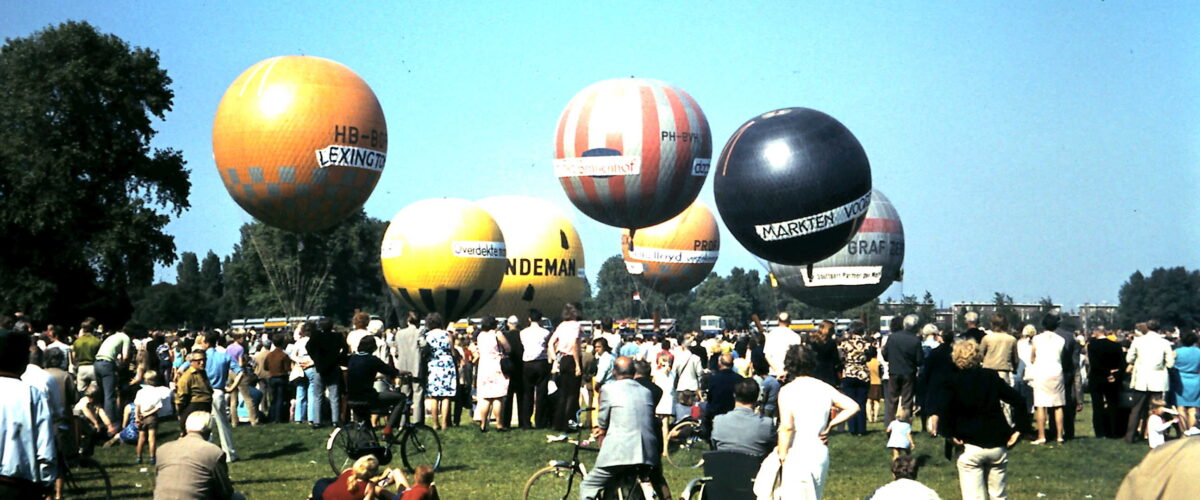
x=545, y=257
x=675, y=256
x=792, y=185
x=632, y=152
x=443, y=255
x=299, y=142
x=860, y=271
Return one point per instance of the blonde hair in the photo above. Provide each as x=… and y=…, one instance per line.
x=364, y=469
x=1029, y=331
x=966, y=354
x=929, y=329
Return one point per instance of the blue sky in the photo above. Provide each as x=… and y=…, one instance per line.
x=1040, y=149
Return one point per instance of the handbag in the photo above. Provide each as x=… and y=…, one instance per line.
x=506, y=366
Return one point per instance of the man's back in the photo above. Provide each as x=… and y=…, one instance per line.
x=902, y=353
x=720, y=391
x=999, y=351
x=191, y=467
x=1151, y=356
x=743, y=431
x=778, y=340
x=627, y=415
x=407, y=349
x=1104, y=356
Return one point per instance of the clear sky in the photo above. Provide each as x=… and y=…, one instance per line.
x=1035, y=148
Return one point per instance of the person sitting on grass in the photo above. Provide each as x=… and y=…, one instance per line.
x=91, y=408
x=905, y=485
x=1157, y=426
x=423, y=488
x=362, y=481
x=193, y=468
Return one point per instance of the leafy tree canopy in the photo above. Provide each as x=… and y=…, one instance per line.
x=84, y=198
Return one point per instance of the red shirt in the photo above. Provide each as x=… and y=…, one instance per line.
x=417, y=492
x=338, y=489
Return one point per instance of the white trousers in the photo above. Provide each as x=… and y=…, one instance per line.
x=981, y=473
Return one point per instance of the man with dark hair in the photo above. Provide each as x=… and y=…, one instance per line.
x=83, y=354
x=641, y=374
x=30, y=461
x=606, y=332
x=1106, y=367
x=535, y=374
x=720, y=389
x=902, y=353
x=905, y=485
x=742, y=430
x=327, y=351
x=626, y=429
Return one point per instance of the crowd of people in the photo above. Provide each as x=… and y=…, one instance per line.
x=772, y=394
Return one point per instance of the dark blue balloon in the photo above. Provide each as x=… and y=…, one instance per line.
x=793, y=185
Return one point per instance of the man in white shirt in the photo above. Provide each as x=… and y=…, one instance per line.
x=607, y=333
x=688, y=370
x=779, y=339
x=535, y=374
x=1150, y=356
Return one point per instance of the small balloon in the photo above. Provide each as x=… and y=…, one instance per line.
x=675, y=256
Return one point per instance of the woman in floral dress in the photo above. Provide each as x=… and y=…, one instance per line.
x=443, y=378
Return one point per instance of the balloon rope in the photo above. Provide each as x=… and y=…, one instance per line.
x=266, y=270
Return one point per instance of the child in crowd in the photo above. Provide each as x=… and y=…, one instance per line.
x=1156, y=426
x=875, y=390
x=905, y=485
x=146, y=404
x=900, y=434
x=91, y=407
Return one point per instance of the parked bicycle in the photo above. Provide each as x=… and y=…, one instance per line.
x=686, y=443
x=556, y=480
x=418, y=443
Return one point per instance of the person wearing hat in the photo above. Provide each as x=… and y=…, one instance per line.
x=30, y=460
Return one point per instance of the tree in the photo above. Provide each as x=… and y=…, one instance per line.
x=927, y=311
x=273, y=272
x=1171, y=295
x=82, y=193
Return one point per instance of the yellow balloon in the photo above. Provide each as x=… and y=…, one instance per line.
x=545, y=257
x=676, y=255
x=443, y=255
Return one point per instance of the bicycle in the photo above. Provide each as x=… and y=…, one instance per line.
x=547, y=482
x=82, y=475
x=686, y=443
x=418, y=443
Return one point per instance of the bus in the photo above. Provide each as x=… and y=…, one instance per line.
x=711, y=325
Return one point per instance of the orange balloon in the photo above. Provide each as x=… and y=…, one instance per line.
x=675, y=256
x=299, y=142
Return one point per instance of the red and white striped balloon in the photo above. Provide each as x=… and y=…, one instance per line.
x=632, y=152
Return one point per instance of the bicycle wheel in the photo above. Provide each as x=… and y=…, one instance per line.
x=87, y=479
x=553, y=482
x=686, y=444
x=342, y=446
x=421, y=445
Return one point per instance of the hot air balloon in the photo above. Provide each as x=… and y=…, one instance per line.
x=545, y=257
x=443, y=255
x=675, y=256
x=632, y=152
x=299, y=142
x=860, y=271
x=792, y=185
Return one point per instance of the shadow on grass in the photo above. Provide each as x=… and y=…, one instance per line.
x=454, y=468
x=271, y=480
x=290, y=449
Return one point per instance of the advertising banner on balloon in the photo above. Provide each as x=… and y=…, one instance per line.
x=843, y=276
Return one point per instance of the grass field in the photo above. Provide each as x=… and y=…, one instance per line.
x=283, y=460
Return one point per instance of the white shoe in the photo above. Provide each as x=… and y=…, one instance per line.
x=1192, y=432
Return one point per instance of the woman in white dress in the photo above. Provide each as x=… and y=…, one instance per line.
x=1048, y=389
x=492, y=385
x=804, y=424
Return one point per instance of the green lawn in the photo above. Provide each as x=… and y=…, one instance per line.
x=283, y=460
